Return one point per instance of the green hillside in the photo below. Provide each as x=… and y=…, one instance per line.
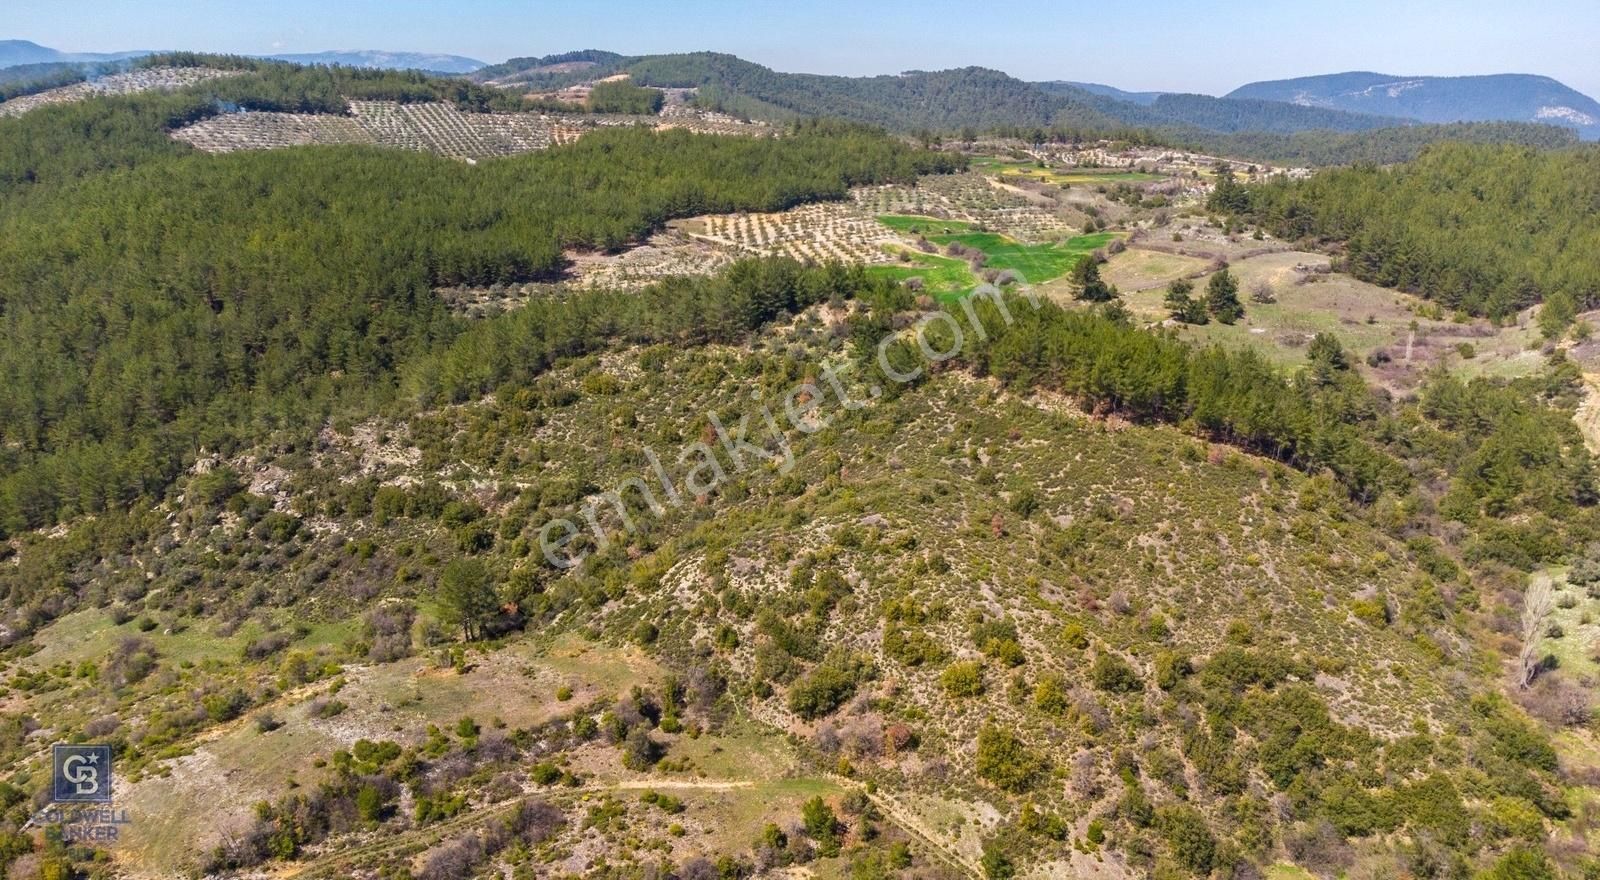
x=1442, y=226
x=383, y=525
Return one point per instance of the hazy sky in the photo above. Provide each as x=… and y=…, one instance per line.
x=1157, y=44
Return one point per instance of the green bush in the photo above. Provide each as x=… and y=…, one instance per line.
x=1522, y=864
x=1188, y=838
x=822, y=826
x=1111, y=673
x=962, y=679
x=825, y=687
x=1004, y=761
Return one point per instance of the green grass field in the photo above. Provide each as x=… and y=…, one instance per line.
x=943, y=278
x=1036, y=263
x=913, y=225
x=947, y=278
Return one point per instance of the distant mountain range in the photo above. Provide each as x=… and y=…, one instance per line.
x=373, y=58
x=1508, y=97
x=17, y=52
x=980, y=98
x=14, y=53
x=943, y=100
x=1143, y=98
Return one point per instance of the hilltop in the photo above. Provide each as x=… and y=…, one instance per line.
x=1145, y=98
x=1502, y=97
x=381, y=60
x=973, y=97
x=17, y=52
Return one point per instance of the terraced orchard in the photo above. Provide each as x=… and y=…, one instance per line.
x=423, y=127
x=834, y=231
x=256, y=130
x=664, y=255
x=432, y=127
x=970, y=198
x=148, y=80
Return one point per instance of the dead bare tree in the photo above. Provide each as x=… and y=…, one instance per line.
x=1537, y=603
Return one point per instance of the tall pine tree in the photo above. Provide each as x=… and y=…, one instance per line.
x=1222, y=297
x=1181, y=304
x=1086, y=277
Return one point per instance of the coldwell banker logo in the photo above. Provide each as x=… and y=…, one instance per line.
x=82, y=774
x=81, y=796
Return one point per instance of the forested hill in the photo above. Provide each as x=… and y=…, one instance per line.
x=552, y=70
x=1381, y=146
x=947, y=100
x=1179, y=111
x=380, y=60
x=25, y=79
x=1502, y=97
x=15, y=52
x=85, y=137
x=1484, y=229
x=1141, y=98
x=274, y=285
x=974, y=99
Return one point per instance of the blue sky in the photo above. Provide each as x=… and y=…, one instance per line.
x=1157, y=44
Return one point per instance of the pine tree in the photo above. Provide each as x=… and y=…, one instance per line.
x=1086, y=277
x=1182, y=306
x=1327, y=358
x=1222, y=297
x=1229, y=197
x=467, y=595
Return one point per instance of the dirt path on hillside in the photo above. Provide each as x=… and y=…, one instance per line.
x=333, y=863
x=912, y=825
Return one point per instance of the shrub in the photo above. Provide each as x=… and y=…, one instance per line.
x=822, y=825
x=1111, y=673
x=369, y=803
x=1075, y=637
x=1097, y=832
x=995, y=863
x=645, y=633
x=455, y=860
x=266, y=646
x=214, y=487
x=389, y=632
x=536, y=820
x=225, y=707
x=1050, y=695
x=325, y=708
x=912, y=647
x=1004, y=761
x=1522, y=864
x=962, y=679
x=1171, y=668
x=1187, y=836
x=639, y=750
x=825, y=688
